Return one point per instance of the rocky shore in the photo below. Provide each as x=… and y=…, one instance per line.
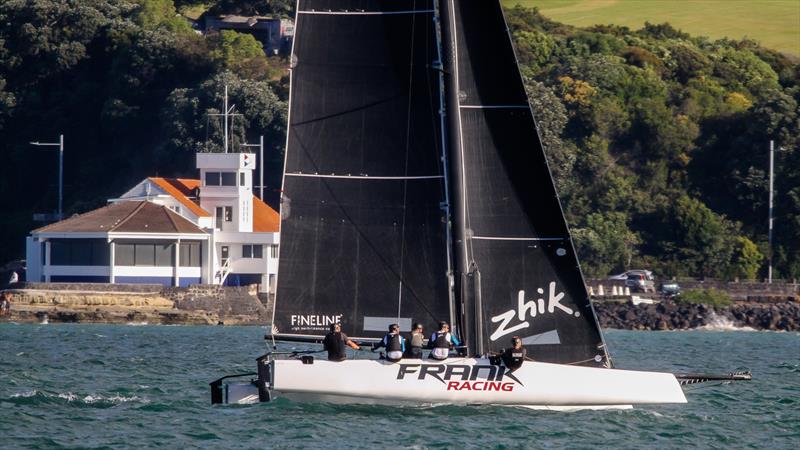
x=215, y=305
x=668, y=315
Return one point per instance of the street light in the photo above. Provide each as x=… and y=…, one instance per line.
x=60, y=145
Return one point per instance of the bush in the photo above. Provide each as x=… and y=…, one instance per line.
x=710, y=297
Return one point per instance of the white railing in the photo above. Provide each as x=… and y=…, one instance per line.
x=224, y=271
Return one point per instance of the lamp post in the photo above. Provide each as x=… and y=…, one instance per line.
x=60, y=145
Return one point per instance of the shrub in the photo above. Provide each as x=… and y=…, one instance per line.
x=710, y=297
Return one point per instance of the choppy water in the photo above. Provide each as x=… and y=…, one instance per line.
x=104, y=386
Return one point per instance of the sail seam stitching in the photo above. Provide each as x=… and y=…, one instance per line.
x=365, y=177
x=366, y=13
x=498, y=238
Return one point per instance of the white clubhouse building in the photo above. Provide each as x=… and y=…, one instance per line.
x=169, y=231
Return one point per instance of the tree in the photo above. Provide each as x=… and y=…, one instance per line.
x=605, y=244
x=746, y=259
x=154, y=14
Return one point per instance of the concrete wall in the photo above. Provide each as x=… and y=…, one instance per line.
x=738, y=290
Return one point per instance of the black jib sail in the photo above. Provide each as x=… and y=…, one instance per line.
x=520, y=274
x=362, y=229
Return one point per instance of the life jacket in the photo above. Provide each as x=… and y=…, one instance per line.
x=442, y=340
x=336, y=347
x=441, y=346
x=394, y=347
x=417, y=340
x=513, y=358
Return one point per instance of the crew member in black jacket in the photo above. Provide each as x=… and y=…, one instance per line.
x=335, y=343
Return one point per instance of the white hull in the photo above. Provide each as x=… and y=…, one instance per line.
x=470, y=381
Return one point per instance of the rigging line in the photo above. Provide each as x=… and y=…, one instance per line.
x=405, y=168
x=361, y=233
x=347, y=111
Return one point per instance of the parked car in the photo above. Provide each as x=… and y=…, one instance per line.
x=640, y=282
x=670, y=290
x=624, y=275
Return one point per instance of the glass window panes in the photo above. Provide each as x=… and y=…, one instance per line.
x=212, y=178
x=228, y=213
x=59, y=252
x=258, y=251
x=229, y=178
x=164, y=255
x=123, y=254
x=145, y=255
x=247, y=251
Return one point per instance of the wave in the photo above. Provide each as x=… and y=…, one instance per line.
x=722, y=323
x=97, y=400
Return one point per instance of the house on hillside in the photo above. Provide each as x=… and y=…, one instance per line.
x=274, y=33
x=170, y=231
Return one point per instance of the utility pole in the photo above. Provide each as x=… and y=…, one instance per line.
x=260, y=146
x=771, y=180
x=60, y=145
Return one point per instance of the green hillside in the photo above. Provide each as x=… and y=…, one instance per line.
x=773, y=23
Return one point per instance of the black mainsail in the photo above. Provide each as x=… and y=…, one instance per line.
x=363, y=233
x=365, y=209
x=520, y=274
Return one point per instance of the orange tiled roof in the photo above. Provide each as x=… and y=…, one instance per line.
x=181, y=189
x=265, y=219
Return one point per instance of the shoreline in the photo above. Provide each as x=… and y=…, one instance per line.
x=665, y=316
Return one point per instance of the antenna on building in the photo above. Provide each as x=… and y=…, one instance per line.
x=227, y=115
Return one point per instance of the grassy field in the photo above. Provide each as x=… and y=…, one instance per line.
x=773, y=23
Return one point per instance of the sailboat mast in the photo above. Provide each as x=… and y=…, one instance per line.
x=465, y=317
x=446, y=206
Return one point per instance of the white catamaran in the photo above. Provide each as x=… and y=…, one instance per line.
x=416, y=189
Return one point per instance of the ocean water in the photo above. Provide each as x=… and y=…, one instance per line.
x=106, y=386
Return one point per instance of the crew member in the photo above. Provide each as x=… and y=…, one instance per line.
x=394, y=343
x=514, y=355
x=335, y=343
x=441, y=341
x=416, y=342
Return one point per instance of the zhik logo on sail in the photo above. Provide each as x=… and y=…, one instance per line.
x=461, y=377
x=531, y=308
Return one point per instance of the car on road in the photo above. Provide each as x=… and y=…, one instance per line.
x=641, y=282
x=625, y=275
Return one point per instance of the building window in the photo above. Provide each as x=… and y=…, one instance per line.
x=177, y=209
x=212, y=178
x=229, y=214
x=241, y=179
x=79, y=252
x=252, y=251
x=144, y=254
x=220, y=178
x=273, y=251
x=229, y=178
x=190, y=254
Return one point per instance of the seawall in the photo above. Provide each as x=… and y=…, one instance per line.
x=132, y=303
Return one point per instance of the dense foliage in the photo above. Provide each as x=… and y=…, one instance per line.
x=658, y=141
x=710, y=297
